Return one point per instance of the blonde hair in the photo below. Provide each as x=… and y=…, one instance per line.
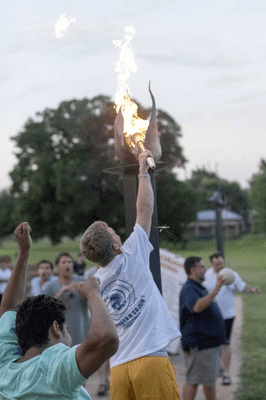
x=96, y=244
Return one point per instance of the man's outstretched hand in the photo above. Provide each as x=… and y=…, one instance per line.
x=22, y=234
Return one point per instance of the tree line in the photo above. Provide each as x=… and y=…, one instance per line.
x=60, y=184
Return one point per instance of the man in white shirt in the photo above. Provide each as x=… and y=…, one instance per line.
x=141, y=369
x=225, y=301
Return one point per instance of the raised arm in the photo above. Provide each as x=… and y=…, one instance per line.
x=15, y=288
x=145, y=199
x=102, y=341
x=205, y=302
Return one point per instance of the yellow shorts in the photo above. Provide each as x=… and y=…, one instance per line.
x=146, y=378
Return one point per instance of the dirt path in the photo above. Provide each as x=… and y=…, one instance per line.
x=223, y=392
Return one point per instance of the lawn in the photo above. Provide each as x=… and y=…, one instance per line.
x=246, y=255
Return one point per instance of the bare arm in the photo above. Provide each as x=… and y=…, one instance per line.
x=102, y=341
x=204, y=302
x=15, y=288
x=145, y=199
x=248, y=289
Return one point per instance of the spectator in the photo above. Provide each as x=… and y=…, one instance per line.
x=5, y=273
x=203, y=331
x=65, y=288
x=225, y=301
x=79, y=265
x=141, y=368
x=44, y=271
x=35, y=358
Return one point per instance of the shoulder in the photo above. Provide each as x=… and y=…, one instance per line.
x=138, y=236
x=188, y=285
x=52, y=286
x=61, y=362
x=237, y=276
x=8, y=317
x=140, y=231
x=52, y=283
x=7, y=327
x=209, y=272
x=90, y=272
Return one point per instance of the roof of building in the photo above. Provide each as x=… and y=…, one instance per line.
x=209, y=215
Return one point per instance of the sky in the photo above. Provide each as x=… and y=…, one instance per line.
x=206, y=61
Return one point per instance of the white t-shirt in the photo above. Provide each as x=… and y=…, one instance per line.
x=143, y=322
x=4, y=274
x=225, y=297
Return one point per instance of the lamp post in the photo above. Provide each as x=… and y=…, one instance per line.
x=218, y=202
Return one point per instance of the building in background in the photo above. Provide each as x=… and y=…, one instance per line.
x=204, y=227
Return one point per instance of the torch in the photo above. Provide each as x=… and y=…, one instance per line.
x=139, y=141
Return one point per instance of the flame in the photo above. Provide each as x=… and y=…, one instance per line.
x=123, y=99
x=62, y=24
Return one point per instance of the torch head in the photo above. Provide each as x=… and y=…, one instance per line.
x=129, y=145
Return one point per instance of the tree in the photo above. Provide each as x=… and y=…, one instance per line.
x=206, y=182
x=6, y=211
x=176, y=206
x=58, y=182
x=258, y=193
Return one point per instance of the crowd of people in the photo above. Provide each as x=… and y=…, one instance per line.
x=112, y=318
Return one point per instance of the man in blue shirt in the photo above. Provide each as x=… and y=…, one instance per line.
x=202, y=328
x=36, y=360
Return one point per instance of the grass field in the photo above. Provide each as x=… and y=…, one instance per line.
x=246, y=255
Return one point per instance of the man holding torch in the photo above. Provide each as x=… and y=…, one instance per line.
x=141, y=368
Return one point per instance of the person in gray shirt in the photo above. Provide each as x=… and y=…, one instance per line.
x=65, y=289
x=38, y=284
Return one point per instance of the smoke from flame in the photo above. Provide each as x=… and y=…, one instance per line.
x=123, y=98
x=62, y=24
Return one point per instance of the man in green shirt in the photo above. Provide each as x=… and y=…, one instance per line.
x=36, y=360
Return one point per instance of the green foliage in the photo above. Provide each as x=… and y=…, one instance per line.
x=6, y=211
x=58, y=182
x=61, y=158
x=170, y=132
x=176, y=206
x=258, y=194
x=205, y=183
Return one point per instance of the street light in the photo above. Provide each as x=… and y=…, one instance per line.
x=218, y=202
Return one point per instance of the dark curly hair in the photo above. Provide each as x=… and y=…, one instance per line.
x=34, y=318
x=191, y=262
